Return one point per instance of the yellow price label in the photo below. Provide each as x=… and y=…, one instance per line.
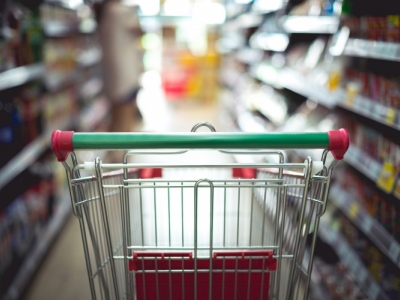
x=390, y=116
x=353, y=210
x=387, y=177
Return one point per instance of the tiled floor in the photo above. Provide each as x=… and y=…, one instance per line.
x=63, y=275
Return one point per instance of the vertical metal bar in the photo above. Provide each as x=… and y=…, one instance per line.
x=299, y=229
x=224, y=214
x=280, y=241
x=106, y=224
x=195, y=239
x=141, y=212
x=157, y=286
x=262, y=279
x=223, y=279
x=236, y=275
x=196, y=189
x=251, y=214
x=124, y=241
x=170, y=279
x=278, y=205
x=128, y=219
x=303, y=241
x=249, y=280
x=155, y=214
x=98, y=246
x=183, y=278
x=68, y=171
x=297, y=285
x=169, y=216
x=182, y=214
x=88, y=263
x=211, y=238
x=238, y=218
x=311, y=261
x=263, y=213
x=144, y=280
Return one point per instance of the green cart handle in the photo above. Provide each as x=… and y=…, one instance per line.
x=64, y=142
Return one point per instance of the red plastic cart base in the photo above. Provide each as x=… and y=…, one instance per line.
x=180, y=285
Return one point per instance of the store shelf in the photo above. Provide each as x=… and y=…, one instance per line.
x=363, y=163
x=370, y=109
x=352, y=261
x=373, y=49
x=296, y=82
x=86, y=59
x=27, y=156
x=21, y=75
x=368, y=225
x=310, y=24
x=31, y=152
x=39, y=250
x=63, y=29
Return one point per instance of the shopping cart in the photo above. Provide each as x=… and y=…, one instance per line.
x=199, y=231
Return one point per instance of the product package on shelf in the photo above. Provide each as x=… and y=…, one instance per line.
x=23, y=215
x=385, y=211
x=338, y=281
x=378, y=21
x=382, y=269
x=21, y=38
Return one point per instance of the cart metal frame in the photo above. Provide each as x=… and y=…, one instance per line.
x=275, y=209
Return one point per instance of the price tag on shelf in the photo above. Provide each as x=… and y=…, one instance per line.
x=387, y=177
x=353, y=210
x=394, y=251
x=366, y=224
x=390, y=115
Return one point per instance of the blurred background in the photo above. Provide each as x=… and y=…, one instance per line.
x=243, y=65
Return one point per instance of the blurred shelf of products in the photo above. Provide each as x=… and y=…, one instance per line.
x=271, y=65
x=319, y=65
x=49, y=77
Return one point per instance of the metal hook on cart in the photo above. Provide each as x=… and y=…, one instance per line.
x=203, y=124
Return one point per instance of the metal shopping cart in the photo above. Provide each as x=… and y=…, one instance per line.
x=199, y=231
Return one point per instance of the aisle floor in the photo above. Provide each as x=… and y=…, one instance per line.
x=63, y=275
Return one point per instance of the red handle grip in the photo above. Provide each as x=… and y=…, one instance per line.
x=61, y=144
x=339, y=142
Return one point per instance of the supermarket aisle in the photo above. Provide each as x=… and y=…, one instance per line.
x=62, y=275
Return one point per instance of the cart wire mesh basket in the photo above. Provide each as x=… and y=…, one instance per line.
x=199, y=231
